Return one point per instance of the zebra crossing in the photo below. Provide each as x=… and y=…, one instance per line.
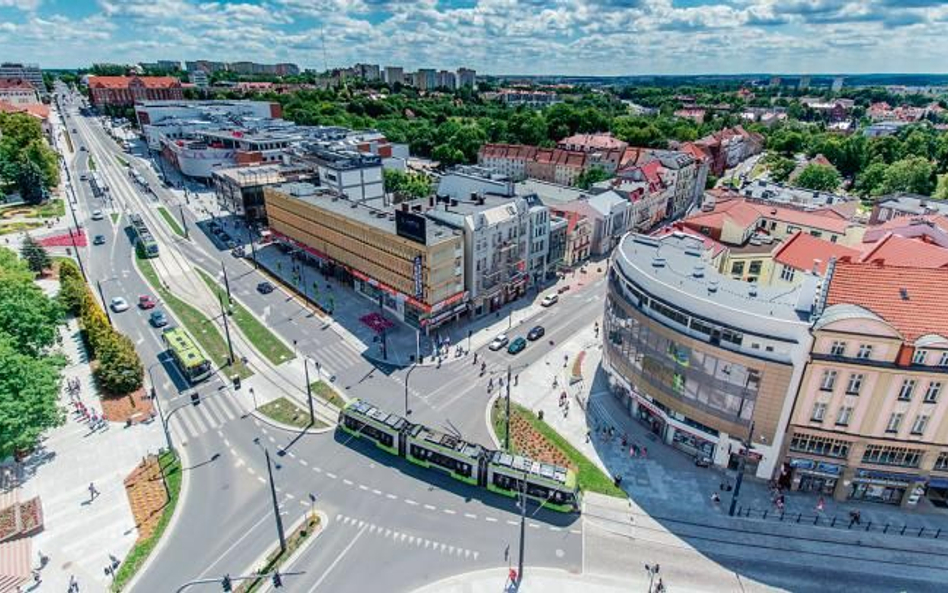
x=337, y=357
x=213, y=412
x=407, y=539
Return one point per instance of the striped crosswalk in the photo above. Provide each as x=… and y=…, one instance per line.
x=214, y=411
x=337, y=357
x=408, y=539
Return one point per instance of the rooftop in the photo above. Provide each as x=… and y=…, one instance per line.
x=122, y=82
x=910, y=299
x=803, y=250
x=549, y=193
x=382, y=219
x=895, y=250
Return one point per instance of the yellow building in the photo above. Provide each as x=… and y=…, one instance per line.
x=416, y=265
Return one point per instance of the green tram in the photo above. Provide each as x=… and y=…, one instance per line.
x=551, y=486
x=144, y=240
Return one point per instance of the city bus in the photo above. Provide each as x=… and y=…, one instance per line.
x=144, y=241
x=190, y=360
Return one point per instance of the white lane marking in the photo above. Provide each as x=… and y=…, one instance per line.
x=411, y=502
x=430, y=507
x=490, y=519
x=377, y=492
x=363, y=487
x=575, y=531
x=303, y=462
x=533, y=525
x=555, y=529
x=331, y=475
x=347, y=481
x=391, y=496
x=509, y=522
x=317, y=470
x=261, y=480
x=337, y=560
x=470, y=515
x=449, y=512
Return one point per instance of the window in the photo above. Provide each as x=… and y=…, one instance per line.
x=817, y=445
x=919, y=357
x=828, y=381
x=883, y=455
x=865, y=351
x=942, y=461
x=905, y=392
x=932, y=393
x=845, y=413
x=816, y=234
x=838, y=348
x=787, y=273
x=855, y=384
x=895, y=421
x=737, y=268
x=754, y=269
x=918, y=427
x=819, y=412
x=833, y=238
x=943, y=360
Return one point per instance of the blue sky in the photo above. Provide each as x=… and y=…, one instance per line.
x=604, y=37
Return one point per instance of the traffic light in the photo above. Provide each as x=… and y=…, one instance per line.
x=225, y=583
x=277, y=580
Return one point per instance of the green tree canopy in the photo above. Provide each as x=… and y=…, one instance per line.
x=819, y=177
x=35, y=255
x=913, y=175
x=29, y=392
x=591, y=176
x=28, y=316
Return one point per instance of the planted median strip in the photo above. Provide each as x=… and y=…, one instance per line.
x=294, y=541
x=325, y=392
x=535, y=438
x=264, y=340
x=171, y=221
x=200, y=327
x=284, y=411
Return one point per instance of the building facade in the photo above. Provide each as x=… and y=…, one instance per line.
x=467, y=77
x=709, y=364
x=18, y=92
x=125, y=91
x=411, y=265
x=239, y=190
x=871, y=416
x=28, y=72
x=394, y=74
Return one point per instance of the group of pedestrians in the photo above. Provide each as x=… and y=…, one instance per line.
x=82, y=412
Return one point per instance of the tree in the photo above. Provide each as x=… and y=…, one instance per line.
x=35, y=255
x=119, y=369
x=912, y=175
x=29, y=395
x=406, y=185
x=780, y=166
x=28, y=317
x=819, y=177
x=590, y=177
x=941, y=190
x=869, y=181
x=73, y=290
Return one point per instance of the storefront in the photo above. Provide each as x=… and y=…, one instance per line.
x=652, y=418
x=875, y=486
x=691, y=443
x=807, y=475
x=937, y=492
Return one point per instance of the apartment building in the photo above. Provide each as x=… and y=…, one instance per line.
x=870, y=419
x=413, y=265
x=394, y=74
x=18, y=92
x=125, y=91
x=31, y=73
x=467, y=77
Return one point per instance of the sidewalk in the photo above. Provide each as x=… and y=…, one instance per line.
x=665, y=482
x=79, y=534
x=544, y=580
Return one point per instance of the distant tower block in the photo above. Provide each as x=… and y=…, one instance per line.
x=804, y=83
x=775, y=81
x=837, y=84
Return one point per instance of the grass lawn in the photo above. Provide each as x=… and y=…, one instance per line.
x=114, y=216
x=171, y=221
x=136, y=557
x=91, y=163
x=287, y=412
x=325, y=392
x=52, y=209
x=16, y=227
x=590, y=477
x=121, y=160
x=199, y=326
x=265, y=341
x=276, y=559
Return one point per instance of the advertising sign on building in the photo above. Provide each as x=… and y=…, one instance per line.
x=419, y=279
x=410, y=226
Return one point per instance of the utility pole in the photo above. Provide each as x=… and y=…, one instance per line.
x=105, y=305
x=523, y=525
x=230, y=345
x=253, y=248
x=75, y=248
x=184, y=223
x=740, y=470
x=273, y=495
x=230, y=299
x=507, y=431
x=309, y=394
x=382, y=316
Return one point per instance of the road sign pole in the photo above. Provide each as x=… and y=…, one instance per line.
x=230, y=345
x=276, y=505
x=184, y=223
x=507, y=431
x=309, y=394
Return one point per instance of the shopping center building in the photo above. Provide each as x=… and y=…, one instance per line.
x=415, y=265
x=705, y=361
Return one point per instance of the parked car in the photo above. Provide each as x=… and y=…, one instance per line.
x=82, y=149
x=83, y=177
x=549, y=300
x=158, y=318
x=702, y=461
x=265, y=287
x=118, y=304
x=536, y=333
x=97, y=215
x=146, y=302
x=517, y=345
x=499, y=342
x=238, y=251
x=98, y=240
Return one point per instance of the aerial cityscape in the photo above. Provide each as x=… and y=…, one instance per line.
x=473, y=296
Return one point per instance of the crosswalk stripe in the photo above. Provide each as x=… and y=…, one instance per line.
x=186, y=424
x=212, y=411
x=232, y=408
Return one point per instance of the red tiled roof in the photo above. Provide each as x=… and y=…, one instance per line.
x=36, y=109
x=122, y=82
x=802, y=249
x=635, y=155
x=894, y=250
x=15, y=83
x=739, y=211
x=879, y=289
x=593, y=141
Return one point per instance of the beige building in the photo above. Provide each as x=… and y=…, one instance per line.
x=870, y=421
x=414, y=264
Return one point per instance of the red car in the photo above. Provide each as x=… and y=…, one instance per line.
x=146, y=302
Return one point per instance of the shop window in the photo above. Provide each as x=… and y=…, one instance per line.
x=754, y=269
x=737, y=268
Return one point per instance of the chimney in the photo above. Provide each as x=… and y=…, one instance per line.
x=816, y=266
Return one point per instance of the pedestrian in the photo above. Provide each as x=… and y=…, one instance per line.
x=819, y=505
x=587, y=436
x=73, y=583
x=715, y=498
x=632, y=451
x=644, y=452
x=92, y=491
x=516, y=380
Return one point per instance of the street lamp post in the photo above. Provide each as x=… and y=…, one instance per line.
x=407, y=377
x=740, y=470
x=157, y=400
x=230, y=299
x=309, y=394
x=273, y=495
x=184, y=223
x=230, y=345
x=507, y=431
x=75, y=248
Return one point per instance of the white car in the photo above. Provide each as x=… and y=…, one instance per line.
x=550, y=300
x=118, y=304
x=97, y=215
x=499, y=342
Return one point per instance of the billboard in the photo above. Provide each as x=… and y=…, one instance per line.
x=411, y=226
x=419, y=278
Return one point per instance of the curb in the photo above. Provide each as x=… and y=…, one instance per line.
x=490, y=425
x=273, y=423
x=288, y=563
x=163, y=542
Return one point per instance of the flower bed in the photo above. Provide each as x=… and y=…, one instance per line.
x=31, y=516
x=8, y=526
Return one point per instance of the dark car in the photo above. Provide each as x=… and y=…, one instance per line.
x=265, y=287
x=238, y=251
x=158, y=318
x=516, y=346
x=98, y=240
x=536, y=333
